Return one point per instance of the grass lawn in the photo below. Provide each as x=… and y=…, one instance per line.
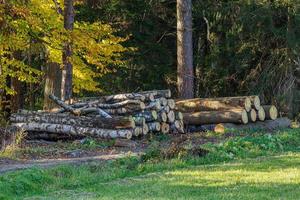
x=271, y=175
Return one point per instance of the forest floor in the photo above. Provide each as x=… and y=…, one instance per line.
x=256, y=165
x=40, y=153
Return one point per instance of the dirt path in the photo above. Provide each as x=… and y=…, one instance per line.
x=45, y=163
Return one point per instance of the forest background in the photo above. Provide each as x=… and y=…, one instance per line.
x=240, y=48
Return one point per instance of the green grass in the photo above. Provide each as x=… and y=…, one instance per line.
x=251, y=167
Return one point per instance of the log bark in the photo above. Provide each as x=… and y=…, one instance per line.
x=165, y=109
x=163, y=101
x=213, y=117
x=268, y=125
x=213, y=104
x=155, y=105
x=93, y=122
x=185, y=69
x=179, y=116
x=64, y=105
x=137, y=131
x=271, y=112
x=75, y=130
x=130, y=104
x=123, y=97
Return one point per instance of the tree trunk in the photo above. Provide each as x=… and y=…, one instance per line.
x=67, y=72
x=158, y=93
x=17, y=100
x=213, y=104
x=268, y=125
x=185, y=70
x=93, y=122
x=75, y=130
x=213, y=117
x=52, y=84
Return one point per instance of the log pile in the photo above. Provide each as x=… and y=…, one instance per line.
x=115, y=116
x=202, y=114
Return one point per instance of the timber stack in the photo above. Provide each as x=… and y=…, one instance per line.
x=115, y=116
x=219, y=114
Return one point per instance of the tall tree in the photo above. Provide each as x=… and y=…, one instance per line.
x=67, y=72
x=185, y=70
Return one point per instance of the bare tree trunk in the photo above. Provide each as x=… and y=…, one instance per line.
x=52, y=84
x=17, y=100
x=185, y=76
x=66, y=81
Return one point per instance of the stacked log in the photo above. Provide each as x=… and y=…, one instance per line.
x=115, y=116
x=202, y=114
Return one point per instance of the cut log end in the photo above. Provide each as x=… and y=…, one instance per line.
x=171, y=103
x=165, y=128
x=179, y=116
x=256, y=102
x=163, y=117
x=245, y=118
x=261, y=114
x=252, y=115
x=171, y=116
x=247, y=104
x=271, y=112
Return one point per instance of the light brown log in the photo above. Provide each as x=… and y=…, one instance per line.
x=158, y=93
x=171, y=116
x=261, y=114
x=255, y=100
x=75, y=130
x=165, y=128
x=271, y=112
x=213, y=104
x=171, y=103
x=252, y=115
x=148, y=115
x=83, y=121
x=154, y=126
x=268, y=125
x=162, y=117
x=212, y=117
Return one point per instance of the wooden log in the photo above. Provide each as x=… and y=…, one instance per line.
x=64, y=105
x=154, y=105
x=252, y=115
x=154, y=126
x=148, y=115
x=37, y=135
x=179, y=116
x=139, y=121
x=177, y=127
x=261, y=114
x=165, y=109
x=75, y=130
x=162, y=117
x=255, y=100
x=171, y=103
x=212, y=117
x=268, y=125
x=83, y=121
x=123, y=97
x=120, y=111
x=171, y=116
x=213, y=104
x=138, y=131
x=145, y=129
x=165, y=128
x=163, y=101
x=130, y=104
x=158, y=93
x=271, y=112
